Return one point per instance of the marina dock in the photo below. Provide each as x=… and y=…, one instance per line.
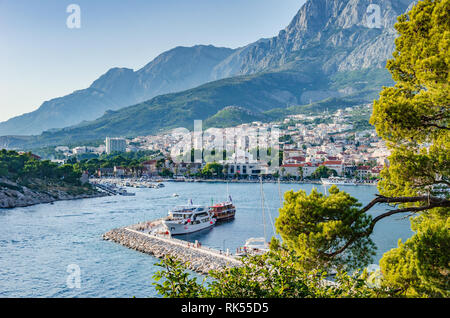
x=196, y=257
x=112, y=189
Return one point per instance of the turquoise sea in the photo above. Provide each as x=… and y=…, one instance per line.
x=38, y=243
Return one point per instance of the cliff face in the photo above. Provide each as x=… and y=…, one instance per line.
x=359, y=35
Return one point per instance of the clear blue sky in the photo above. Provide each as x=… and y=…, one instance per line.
x=40, y=58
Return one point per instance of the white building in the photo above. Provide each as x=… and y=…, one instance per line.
x=79, y=150
x=253, y=169
x=62, y=149
x=115, y=145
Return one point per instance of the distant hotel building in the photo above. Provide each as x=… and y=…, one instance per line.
x=115, y=145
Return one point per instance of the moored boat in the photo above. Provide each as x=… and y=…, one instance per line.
x=254, y=246
x=124, y=192
x=337, y=181
x=223, y=211
x=186, y=219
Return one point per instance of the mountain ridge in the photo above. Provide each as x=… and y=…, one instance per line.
x=121, y=87
x=327, y=51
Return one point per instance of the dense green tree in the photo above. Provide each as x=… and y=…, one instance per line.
x=419, y=267
x=130, y=160
x=3, y=169
x=166, y=173
x=413, y=118
x=23, y=167
x=212, y=169
x=317, y=227
x=273, y=275
x=323, y=172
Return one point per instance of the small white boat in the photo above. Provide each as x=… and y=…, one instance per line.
x=187, y=219
x=254, y=246
x=337, y=181
x=175, y=195
x=124, y=192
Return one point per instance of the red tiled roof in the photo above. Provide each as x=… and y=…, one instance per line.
x=332, y=162
x=298, y=158
x=292, y=165
x=149, y=162
x=35, y=156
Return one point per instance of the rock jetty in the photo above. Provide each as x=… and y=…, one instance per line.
x=198, y=259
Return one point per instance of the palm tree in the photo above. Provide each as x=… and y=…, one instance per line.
x=300, y=172
x=188, y=170
x=225, y=170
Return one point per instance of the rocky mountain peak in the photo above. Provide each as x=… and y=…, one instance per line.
x=362, y=30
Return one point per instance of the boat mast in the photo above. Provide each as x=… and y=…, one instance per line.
x=263, y=212
x=279, y=193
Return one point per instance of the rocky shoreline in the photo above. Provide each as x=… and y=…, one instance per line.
x=13, y=195
x=197, y=259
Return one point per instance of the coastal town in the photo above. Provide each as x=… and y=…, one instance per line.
x=238, y=157
x=310, y=147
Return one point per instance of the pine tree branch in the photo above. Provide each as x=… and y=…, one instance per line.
x=433, y=202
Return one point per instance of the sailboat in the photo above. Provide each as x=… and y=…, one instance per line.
x=256, y=245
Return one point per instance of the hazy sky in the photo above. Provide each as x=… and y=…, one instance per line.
x=41, y=58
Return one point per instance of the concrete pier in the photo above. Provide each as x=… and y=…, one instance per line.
x=197, y=258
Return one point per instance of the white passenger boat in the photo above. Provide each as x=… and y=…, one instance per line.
x=337, y=181
x=188, y=218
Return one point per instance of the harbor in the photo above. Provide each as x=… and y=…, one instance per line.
x=156, y=237
x=196, y=257
x=109, y=269
x=158, y=182
x=118, y=186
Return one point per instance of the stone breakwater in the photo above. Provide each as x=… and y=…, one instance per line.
x=197, y=259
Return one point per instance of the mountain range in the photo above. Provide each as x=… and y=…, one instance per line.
x=175, y=70
x=329, y=52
